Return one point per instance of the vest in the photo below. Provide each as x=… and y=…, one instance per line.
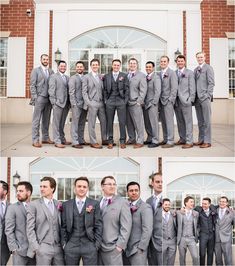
x=53, y=235
x=188, y=226
x=168, y=228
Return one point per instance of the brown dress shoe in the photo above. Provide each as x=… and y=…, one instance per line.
x=179, y=142
x=84, y=143
x=187, y=146
x=105, y=142
x=96, y=146
x=66, y=142
x=48, y=142
x=123, y=146
x=60, y=145
x=37, y=145
x=168, y=146
x=130, y=142
x=138, y=145
x=110, y=146
x=77, y=146
x=198, y=143
x=162, y=142
x=205, y=145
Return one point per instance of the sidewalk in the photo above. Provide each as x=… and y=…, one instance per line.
x=16, y=141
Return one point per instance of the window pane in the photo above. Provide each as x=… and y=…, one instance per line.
x=3, y=67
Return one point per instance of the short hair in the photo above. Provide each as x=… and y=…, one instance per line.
x=44, y=55
x=95, y=60
x=187, y=199
x=62, y=62
x=133, y=59
x=51, y=181
x=27, y=185
x=132, y=183
x=4, y=185
x=165, y=56
x=150, y=62
x=83, y=178
x=224, y=197
x=201, y=52
x=80, y=62
x=208, y=199
x=117, y=60
x=165, y=199
x=181, y=56
x=154, y=174
x=106, y=177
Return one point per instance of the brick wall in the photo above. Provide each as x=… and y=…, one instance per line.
x=15, y=20
x=217, y=19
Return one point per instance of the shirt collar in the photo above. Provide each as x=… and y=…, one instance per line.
x=181, y=70
x=164, y=70
x=134, y=202
x=157, y=196
x=150, y=74
x=202, y=65
x=47, y=200
x=44, y=68
x=116, y=73
x=94, y=74
x=62, y=74
x=4, y=202
x=83, y=199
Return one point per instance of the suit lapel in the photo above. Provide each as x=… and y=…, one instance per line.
x=40, y=68
x=109, y=81
x=21, y=206
x=44, y=208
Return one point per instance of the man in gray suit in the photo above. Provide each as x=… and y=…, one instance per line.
x=155, y=247
x=169, y=228
x=116, y=94
x=223, y=233
x=59, y=97
x=81, y=229
x=204, y=77
x=151, y=105
x=168, y=96
x=43, y=225
x=183, y=103
x=4, y=250
x=142, y=226
x=138, y=90
x=187, y=235
x=117, y=224
x=15, y=227
x=77, y=106
x=92, y=91
x=40, y=100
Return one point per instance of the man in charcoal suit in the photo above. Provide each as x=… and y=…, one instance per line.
x=168, y=96
x=138, y=90
x=223, y=233
x=116, y=94
x=204, y=78
x=43, y=225
x=183, y=104
x=151, y=105
x=81, y=229
x=155, y=246
x=92, y=91
x=169, y=228
x=4, y=204
x=187, y=234
x=40, y=100
x=206, y=226
x=59, y=97
x=116, y=217
x=15, y=227
x=142, y=226
x=77, y=107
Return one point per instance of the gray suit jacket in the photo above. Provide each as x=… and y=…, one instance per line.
x=39, y=83
x=169, y=87
x=75, y=91
x=15, y=229
x=116, y=224
x=38, y=222
x=138, y=88
x=93, y=221
x=180, y=225
x=153, y=91
x=205, y=82
x=58, y=90
x=142, y=226
x=3, y=240
x=186, y=87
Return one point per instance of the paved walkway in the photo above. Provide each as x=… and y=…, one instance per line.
x=16, y=141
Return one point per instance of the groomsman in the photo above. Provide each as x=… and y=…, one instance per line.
x=223, y=233
x=206, y=227
x=4, y=204
x=43, y=225
x=142, y=226
x=151, y=105
x=168, y=96
x=187, y=235
x=204, y=77
x=138, y=90
x=116, y=94
x=92, y=91
x=169, y=228
x=59, y=97
x=40, y=100
x=81, y=229
x=15, y=227
x=117, y=223
x=155, y=246
x=77, y=105
x=183, y=105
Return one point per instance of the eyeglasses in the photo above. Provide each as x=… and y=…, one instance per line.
x=110, y=184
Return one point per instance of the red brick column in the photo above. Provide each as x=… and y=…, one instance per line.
x=50, y=38
x=9, y=177
x=184, y=35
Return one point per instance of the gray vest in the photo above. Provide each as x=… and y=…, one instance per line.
x=53, y=235
x=188, y=226
x=98, y=97
x=168, y=228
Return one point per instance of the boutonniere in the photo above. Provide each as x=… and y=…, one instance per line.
x=199, y=69
x=174, y=213
x=183, y=75
x=110, y=201
x=89, y=208
x=121, y=78
x=227, y=211
x=165, y=75
x=133, y=209
x=101, y=77
x=59, y=207
x=148, y=78
x=212, y=213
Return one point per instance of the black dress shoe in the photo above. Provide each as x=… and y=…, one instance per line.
x=162, y=143
x=147, y=142
x=153, y=145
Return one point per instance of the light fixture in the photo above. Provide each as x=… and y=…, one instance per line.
x=57, y=55
x=177, y=53
x=29, y=12
x=16, y=179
